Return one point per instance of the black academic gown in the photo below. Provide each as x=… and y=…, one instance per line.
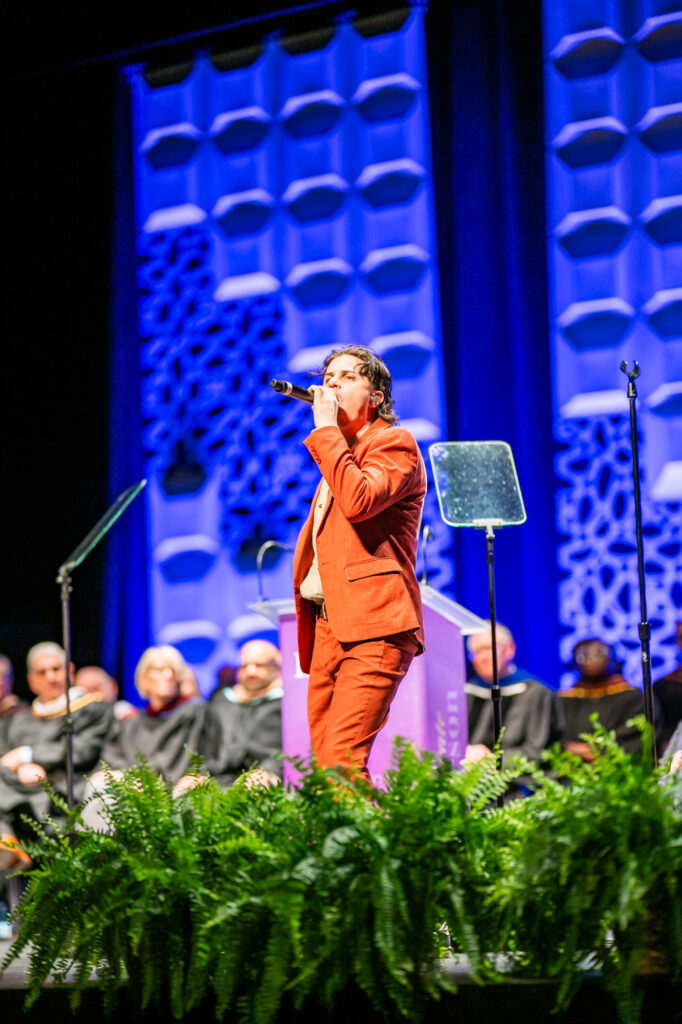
x=528, y=714
x=166, y=740
x=668, y=693
x=92, y=719
x=614, y=701
x=251, y=736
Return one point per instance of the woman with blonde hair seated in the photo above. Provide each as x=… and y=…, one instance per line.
x=172, y=726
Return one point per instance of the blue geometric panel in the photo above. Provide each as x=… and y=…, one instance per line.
x=595, y=141
x=238, y=131
x=396, y=269
x=383, y=99
x=664, y=312
x=600, y=593
x=596, y=323
x=285, y=208
x=660, y=37
x=666, y=400
x=243, y=213
x=662, y=220
x=407, y=352
x=390, y=183
x=317, y=198
x=614, y=131
x=584, y=54
x=320, y=283
x=171, y=146
x=315, y=114
x=186, y=558
x=661, y=128
x=592, y=232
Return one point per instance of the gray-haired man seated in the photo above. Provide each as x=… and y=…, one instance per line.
x=33, y=746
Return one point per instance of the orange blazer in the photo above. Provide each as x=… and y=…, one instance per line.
x=367, y=539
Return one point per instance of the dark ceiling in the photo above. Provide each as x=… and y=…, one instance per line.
x=58, y=37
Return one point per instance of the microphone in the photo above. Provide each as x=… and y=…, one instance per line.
x=259, y=562
x=292, y=390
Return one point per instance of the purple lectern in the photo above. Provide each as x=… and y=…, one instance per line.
x=429, y=708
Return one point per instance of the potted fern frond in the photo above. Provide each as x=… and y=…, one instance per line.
x=591, y=871
x=246, y=898
x=263, y=903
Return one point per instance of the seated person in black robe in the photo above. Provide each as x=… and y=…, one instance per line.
x=668, y=693
x=170, y=728
x=600, y=688
x=528, y=705
x=9, y=702
x=250, y=716
x=227, y=677
x=33, y=746
x=96, y=680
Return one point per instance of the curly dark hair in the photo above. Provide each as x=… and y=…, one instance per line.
x=374, y=370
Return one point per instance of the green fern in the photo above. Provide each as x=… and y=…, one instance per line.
x=260, y=898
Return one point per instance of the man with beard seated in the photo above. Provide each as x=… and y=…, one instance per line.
x=250, y=715
x=33, y=746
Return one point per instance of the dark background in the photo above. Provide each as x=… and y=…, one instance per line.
x=62, y=115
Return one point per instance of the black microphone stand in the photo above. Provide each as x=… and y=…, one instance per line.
x=644, y=625
x=64, y=581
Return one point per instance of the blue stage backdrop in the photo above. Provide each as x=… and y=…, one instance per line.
x=284, y=207
x=614, y=158
x=285, y=201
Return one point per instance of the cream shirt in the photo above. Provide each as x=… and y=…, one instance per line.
x=311, y=587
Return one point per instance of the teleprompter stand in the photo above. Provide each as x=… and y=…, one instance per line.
x=101, y=527
x=477, y=486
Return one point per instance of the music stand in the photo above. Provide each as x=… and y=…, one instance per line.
x=477, y=486
x=91, y=540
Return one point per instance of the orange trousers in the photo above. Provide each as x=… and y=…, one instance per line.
x=350, y=690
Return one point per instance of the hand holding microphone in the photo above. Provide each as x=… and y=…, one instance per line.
x=326, y=406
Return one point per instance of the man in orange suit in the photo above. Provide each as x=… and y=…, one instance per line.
x=358, y=604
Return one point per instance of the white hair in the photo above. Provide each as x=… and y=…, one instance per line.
x=163, y=656
x=503, y=634
x=46, y=647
